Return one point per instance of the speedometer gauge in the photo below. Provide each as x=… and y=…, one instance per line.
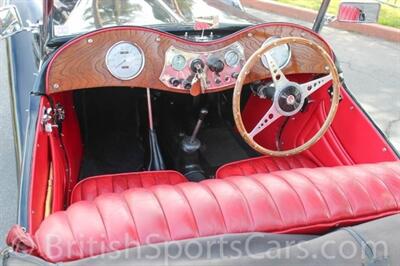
x=281, y=54
x=125, y=60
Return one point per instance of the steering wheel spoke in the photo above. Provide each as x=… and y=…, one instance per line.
x=271, y=116
x=314, y=85
x=276, y=73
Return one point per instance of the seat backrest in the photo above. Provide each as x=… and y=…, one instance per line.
x=92, y=187
x=296, y=201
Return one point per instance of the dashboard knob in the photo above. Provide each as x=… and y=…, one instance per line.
x=174, y=82
x=235, y=75
x=187, y=84
x=215, y=64
x=197, y=65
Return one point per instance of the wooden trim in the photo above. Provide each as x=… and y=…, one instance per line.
x=80, y=64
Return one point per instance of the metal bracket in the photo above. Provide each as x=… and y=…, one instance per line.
x=53, y=118
x=330, y=92
x=33, y=27
x=5, y=254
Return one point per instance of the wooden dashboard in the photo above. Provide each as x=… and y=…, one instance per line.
x=81, y=63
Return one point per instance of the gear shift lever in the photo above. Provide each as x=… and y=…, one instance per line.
x=192, y=144
x=203, y=114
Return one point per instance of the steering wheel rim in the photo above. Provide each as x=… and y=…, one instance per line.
x=278, y=75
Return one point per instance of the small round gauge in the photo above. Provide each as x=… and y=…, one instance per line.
x=232, y=58
x=125, y=60
x=281, y=54
x=178, y=62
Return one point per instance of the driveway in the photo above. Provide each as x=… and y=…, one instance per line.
x=8, y=187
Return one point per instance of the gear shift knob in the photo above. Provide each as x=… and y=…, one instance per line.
x=203, y=113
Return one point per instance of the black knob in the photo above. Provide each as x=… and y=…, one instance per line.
x=174, y=82
x=187, y=84
x=235, y=75
x=197, y=65
x=215, y=64
x=218, y=81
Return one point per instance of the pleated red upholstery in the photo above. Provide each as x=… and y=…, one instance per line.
x=92, y=187
x=296, y=201
x=264, y=165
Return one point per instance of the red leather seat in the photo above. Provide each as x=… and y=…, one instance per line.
x=264, y=164
x=297, y=201
x=92, y=187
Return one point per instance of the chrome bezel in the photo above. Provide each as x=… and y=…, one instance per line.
x=276, y=99
x=226, y=58
x=174, y=66
x=264, y=58
x=140, y=69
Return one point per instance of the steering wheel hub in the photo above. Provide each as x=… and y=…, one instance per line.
x=290, y=100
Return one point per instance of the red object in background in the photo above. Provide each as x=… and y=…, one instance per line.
x=201, y=25
x=349, y=13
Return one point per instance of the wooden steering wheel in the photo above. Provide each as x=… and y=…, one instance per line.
x=289, y=97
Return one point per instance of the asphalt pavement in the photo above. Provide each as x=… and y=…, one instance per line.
x=8, y=187
x=371, y=67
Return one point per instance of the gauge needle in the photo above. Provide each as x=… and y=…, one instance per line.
x=120, y=64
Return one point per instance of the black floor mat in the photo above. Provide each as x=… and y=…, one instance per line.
x=114, y=129
x=221, y=146
x=112, y=154
x=110, y=121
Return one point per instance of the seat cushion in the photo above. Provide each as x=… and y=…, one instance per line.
x=264, y=164
x=299, y=201
x=92, y=187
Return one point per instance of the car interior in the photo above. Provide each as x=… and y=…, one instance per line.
x=171, y=140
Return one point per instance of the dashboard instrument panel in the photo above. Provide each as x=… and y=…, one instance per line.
x=219, y=68
x=148, y=58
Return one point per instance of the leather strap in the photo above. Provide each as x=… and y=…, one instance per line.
x=20, y=241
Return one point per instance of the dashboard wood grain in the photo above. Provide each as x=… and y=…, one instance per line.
x=80, y=64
